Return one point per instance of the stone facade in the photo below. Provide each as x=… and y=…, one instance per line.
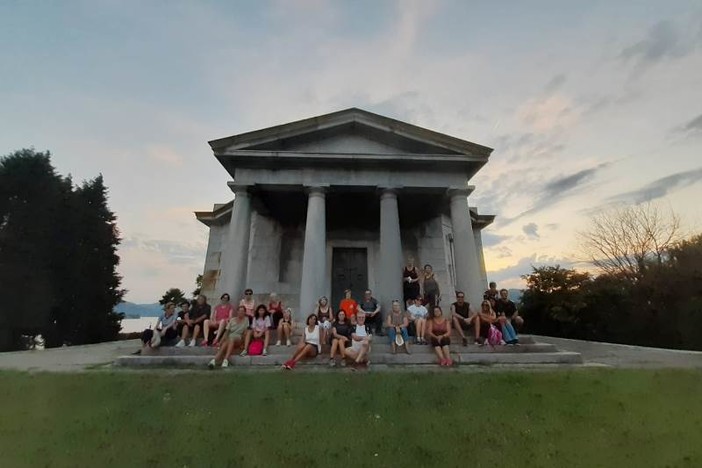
x=351, y=181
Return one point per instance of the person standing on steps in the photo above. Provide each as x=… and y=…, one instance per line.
x=397, y=324
x=463, y=319
x=234, y=334
x=410, y=281
x=430, y=287
x=309, y=347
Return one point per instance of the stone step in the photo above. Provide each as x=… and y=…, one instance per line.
x=561, y=357
x=382, y=347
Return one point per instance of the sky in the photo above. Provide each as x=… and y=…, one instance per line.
x=587, y=105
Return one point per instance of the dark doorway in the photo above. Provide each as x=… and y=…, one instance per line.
x=349, y=271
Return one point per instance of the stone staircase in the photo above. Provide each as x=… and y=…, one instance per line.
x=528, y=352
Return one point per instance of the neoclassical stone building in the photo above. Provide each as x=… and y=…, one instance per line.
x=340, y=201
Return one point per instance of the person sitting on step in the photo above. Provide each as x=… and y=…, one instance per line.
x=463, y=319
x=259, y=330
x=349, y=306
x=325, y=316
x=397, y=324
x=505, y=307
x=439, y=330
x=417, y=315
x=233, y=338
x=193, y=320
x=341, y=338
x=248, y=302
x=486, y=318
x=275, y=309
x=220, y=316
x=491, y=293
x=309, y=346
x=166, y=328
x=360, y=341
x=371, y=307
x=285, y=328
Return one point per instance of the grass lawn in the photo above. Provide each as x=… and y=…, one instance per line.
x=560, y=419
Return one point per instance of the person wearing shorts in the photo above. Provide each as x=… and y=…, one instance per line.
x=360, y=341
x=439, y=330
x=462, y=319
x=341, y=337
x=234, y=334
x=308, y=348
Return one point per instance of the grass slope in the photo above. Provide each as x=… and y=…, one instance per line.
x=569, y=418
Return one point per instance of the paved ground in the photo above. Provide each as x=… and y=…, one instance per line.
x=72, y=359
x=617, y=355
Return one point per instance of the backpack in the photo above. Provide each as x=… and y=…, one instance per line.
x=256, y=348
x=494, y=336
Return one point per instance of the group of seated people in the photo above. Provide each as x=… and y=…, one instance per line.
x=347, y=333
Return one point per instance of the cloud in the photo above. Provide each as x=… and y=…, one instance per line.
x=524, y=266
x=531, y=230
x=174, y=252
x=543, y=115
x=664, y=40
x=555, y=83
x=491, y=240
x=164, y=154
x=659, y=187
x=693, y=127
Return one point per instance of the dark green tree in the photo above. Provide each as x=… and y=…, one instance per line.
x=57, y=275
x=198, y=286
x=174, y=295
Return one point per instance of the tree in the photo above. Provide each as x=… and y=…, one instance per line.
x=198, y=286
x=174, y=295
x=57, y=255
x=627, y=240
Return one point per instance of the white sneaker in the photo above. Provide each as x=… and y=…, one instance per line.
x=180, y=344
x=265, y=351
x=244, y=353
x=225, y=363
x=211, y=364
x=289, y=343
x=277, y=343
x=192, y=343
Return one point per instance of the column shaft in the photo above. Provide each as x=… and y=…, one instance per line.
x=390, y=266
x=314, y=259
x=468, y=276
x=236, y=255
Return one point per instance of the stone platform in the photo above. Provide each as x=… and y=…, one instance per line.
x=528, y=352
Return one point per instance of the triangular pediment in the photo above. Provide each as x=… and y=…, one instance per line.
x=351, y=131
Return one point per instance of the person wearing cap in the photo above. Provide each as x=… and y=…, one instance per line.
x=397, y=324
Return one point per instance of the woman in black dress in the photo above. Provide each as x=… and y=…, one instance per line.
x=410, y=281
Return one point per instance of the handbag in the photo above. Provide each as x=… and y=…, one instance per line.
x=256, y=348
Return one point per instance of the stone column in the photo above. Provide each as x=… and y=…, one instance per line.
x=468, y=277
x=481, y=256
x=390, y=265
x=236, y=254
x=314, y=258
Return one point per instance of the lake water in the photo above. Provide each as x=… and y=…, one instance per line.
x=138, y=325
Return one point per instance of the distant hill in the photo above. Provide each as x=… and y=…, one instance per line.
x=131, y=310
x=515, y=295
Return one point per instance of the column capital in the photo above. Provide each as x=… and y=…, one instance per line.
x=316, y=190
x=460, y=192
x=388, y=192
x=239, y=189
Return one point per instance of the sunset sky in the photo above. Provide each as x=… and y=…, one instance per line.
x=587, y=104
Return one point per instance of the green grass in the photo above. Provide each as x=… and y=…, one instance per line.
x=568, y=418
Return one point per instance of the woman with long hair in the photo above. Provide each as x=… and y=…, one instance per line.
x=309, y=347
x=285, y=328
x=325, y=317
x=439, y=330
x=432, y=294
x=260, y=329
x=341, y=338
x=410, y=281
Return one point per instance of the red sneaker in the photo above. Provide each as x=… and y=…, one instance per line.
x=215, y=343
x=442, y=362
x=204, y=344
x=449, y=363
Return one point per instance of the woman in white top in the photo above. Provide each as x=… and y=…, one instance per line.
x=310, y=347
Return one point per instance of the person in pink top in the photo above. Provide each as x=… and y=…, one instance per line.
x=249, y=303
x=219, y=319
